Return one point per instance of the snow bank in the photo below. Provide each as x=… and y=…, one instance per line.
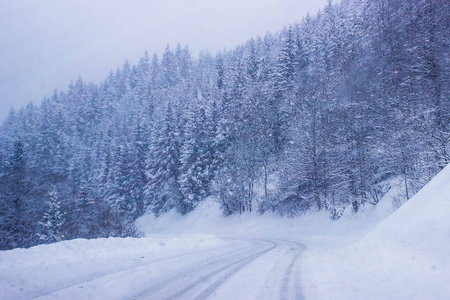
x=406, y=256
x=27, y=273
x=310, y=229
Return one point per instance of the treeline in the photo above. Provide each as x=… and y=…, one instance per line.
x=319, y=116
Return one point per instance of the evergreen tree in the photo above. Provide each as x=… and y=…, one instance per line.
x=53, y=220
x=169, y=68
x=197, y=159
x=162, y=190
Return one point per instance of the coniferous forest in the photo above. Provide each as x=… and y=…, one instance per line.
x=323, y=115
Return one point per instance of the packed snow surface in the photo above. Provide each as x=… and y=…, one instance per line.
x=375, y=254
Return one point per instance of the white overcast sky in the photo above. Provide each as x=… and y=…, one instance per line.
x=44, y=44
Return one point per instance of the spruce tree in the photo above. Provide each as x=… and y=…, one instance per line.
x=53, y=220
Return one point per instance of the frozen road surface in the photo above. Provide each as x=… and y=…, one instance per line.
x=233, y=269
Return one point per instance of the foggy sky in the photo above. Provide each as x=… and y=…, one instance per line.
x=47, y=43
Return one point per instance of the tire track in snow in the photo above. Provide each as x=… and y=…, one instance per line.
x=203, y=281
x=289, y=288
x=233, y=269
x=274, y=275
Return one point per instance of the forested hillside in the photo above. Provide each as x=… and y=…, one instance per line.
x=319, y=116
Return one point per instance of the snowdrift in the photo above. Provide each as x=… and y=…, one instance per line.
x=406, y=256
x=310, y=229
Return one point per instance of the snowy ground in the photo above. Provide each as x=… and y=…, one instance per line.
x=406, y=256
x=373, y=255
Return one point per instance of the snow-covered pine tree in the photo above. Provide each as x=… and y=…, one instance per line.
x=282, y=101
x=196, y=160
x=285, y=68
x=53, y=219
x=162, y=190
x=169, y=68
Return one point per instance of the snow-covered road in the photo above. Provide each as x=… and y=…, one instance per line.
x=233, y=269
x=244, y=269
x=249, y=269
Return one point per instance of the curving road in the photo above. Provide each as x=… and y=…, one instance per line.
x=244, y=269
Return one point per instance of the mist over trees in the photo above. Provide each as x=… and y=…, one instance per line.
x=319, y=116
